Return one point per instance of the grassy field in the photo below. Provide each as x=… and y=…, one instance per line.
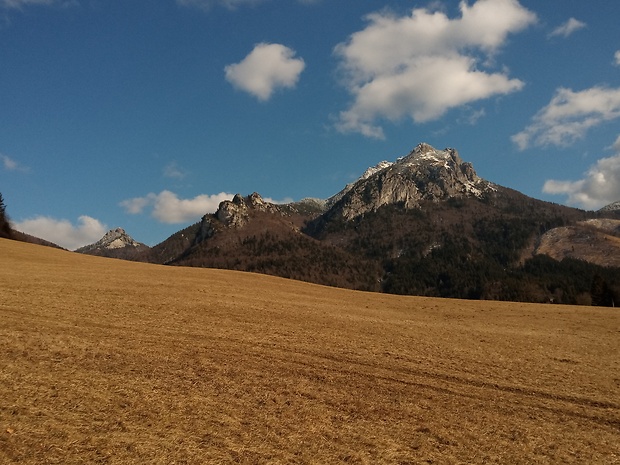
x=106, y=361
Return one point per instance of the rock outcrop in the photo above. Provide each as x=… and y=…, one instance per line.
x=236, y=212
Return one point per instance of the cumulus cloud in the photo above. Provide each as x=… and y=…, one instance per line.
x=569, y=116
x=267, y=68
x=600, y=185
x=617, y=58
x=423, y=64
x=568, y=28
x=167, y=207
x=63, y=232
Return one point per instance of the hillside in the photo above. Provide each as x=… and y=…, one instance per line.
x=595, y=241
x=110, y=361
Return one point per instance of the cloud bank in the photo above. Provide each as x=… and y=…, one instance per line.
x=568, y=28
x=268, y=67
x=424, y=64
x=63, y=232
x=568, y=117
x=599, y=187
x=168, y=208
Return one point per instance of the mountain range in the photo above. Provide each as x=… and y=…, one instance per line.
x=425, y=224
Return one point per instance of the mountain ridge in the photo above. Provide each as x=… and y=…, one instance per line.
x=424, y=224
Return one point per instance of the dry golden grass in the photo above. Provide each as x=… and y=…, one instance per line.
x=106, y=361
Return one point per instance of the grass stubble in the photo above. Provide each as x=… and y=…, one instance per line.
x=107, y=361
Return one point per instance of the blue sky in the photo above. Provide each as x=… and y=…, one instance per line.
x=146, y=114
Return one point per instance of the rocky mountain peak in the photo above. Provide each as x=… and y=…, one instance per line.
x=235, y=213
x=611, y=207
x=424, y=174
x=114, y=239
x=423, y=155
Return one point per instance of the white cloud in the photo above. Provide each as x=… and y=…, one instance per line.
x=167, y=207
x=617, y=58
x=569, y=27
x=63, y=232
x=267, y=68
x=11, y=165
x=424, y=64
x=599, y=187
x=569, y=116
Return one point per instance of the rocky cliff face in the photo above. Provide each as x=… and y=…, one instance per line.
x=235, y=213
x=424, y=174
x=368, y=173
x=255, y=214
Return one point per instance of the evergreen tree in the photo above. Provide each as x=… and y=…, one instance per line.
x=601, y=293
x=5, y=226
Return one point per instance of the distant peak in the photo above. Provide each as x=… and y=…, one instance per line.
x=114, y=239
x=611, y=207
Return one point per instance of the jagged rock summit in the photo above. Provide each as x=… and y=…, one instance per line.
x=611, y=207
x=424, y=174
x=235, y=212
x=115, y=243
x=116, y=239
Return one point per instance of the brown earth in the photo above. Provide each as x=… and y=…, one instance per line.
x=108, y=361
